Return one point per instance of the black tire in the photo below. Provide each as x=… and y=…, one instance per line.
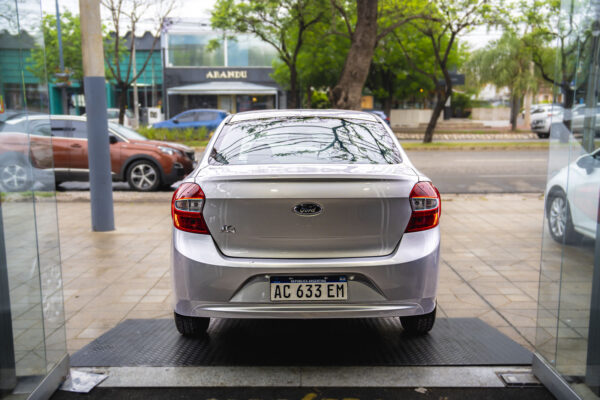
x=543, y=135
x=191, y=326
x=418, y=324
x=566, y=233
x=143, y=176
x=15, y=174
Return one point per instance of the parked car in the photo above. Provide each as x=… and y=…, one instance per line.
x=578, y=114
x=305, y=214
x=543, y=116
x=145, y=164
x=380, y=114
x=198, y=118
x=572, y=209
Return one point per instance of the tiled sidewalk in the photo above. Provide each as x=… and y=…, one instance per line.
x=490, y=262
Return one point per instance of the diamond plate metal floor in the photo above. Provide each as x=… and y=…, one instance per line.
x=342, y=342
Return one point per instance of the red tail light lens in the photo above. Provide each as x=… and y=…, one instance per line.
x=186, y=209
x=427, y=207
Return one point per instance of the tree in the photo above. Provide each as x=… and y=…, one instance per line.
x=319, y=64
x=505, y=63
x=450, y=19
x=551, y=24
x=281, y=23
x=391, y=76
x=366, y=24
x=46, y=57
x=124, y=17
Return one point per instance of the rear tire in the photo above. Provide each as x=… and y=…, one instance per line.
x=191, y=326
x=418, y=324
x=543, y=135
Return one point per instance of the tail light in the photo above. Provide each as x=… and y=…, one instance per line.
x=426, y=207
x=186, y=209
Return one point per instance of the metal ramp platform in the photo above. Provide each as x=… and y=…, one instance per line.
x=324, y=343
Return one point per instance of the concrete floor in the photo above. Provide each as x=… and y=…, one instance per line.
x=490, y=263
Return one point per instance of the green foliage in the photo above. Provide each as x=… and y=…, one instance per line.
x=284, y=24
x=49, y=57
x=505, y=62
x=319, y=99
x=175, y=135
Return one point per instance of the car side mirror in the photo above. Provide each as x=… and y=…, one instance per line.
x=175, y=121
x=112, y=139
x=588, y=163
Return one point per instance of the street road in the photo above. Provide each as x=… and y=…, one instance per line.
x=483, y=171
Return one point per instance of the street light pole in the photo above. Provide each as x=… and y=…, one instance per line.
x=97, y=123
x=63, y=90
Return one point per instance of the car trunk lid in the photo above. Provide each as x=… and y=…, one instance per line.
x=307, y=211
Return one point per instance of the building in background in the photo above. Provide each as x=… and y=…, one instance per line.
x=204, y=69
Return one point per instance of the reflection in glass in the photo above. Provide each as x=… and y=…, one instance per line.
x=29, y=252
x=305, y=141
x=572, y=214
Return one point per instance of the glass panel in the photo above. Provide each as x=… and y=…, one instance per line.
x=32, y=321
x=249, y=51
x=191, y=50
x=570, y=241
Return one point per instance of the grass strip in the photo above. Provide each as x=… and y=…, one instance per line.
x=475, y=145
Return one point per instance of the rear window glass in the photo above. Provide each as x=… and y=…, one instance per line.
x=304, y=141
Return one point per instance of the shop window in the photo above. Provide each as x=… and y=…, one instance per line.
x=249, y=51
x=192, y=50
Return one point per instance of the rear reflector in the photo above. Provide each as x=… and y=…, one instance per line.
x=426, y=207
x=186, y=209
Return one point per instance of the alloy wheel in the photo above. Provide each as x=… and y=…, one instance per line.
x=13, y=177
x=558, y=216
x=143, y=176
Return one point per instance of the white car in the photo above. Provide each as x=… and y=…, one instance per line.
x=543, y=116
x=572, y=200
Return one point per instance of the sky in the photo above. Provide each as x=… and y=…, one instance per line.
x=201, y=9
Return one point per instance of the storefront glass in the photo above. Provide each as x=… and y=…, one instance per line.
x=568, y=323
x=32, y=320
x=249, y=51
x=192, y=50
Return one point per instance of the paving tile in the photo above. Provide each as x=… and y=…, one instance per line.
x=489, y=270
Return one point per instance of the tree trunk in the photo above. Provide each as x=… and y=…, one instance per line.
x=437, y=111
x=348, y=91
x=293, y=99
x=122, y=103
x=515, y=105
x=387, y=105
x=308, y=97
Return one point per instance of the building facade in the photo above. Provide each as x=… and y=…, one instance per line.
x=204, y=68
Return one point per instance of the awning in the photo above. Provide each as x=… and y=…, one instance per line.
x=223, y=87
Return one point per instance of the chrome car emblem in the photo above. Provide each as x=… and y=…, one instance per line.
x=308, y=209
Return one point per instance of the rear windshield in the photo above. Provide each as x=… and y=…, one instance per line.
x=304, y=141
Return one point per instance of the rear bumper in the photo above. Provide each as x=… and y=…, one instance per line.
x=209, y=284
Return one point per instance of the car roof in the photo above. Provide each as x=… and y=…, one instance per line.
x=204, y=109
x=263, y=114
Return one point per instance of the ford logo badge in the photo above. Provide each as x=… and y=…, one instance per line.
x=308, y=209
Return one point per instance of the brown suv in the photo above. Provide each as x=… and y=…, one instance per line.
x=145, y=164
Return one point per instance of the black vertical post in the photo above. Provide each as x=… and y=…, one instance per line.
x=592, y=373
x=8, y=377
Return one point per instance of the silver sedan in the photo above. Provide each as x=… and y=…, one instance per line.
x=305, y=214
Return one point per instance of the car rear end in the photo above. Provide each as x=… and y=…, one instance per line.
x=305, y=215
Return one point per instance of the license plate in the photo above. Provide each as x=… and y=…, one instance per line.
x=309, y=288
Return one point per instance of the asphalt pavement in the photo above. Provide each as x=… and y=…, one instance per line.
x=485, y=171
x=456, y=171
